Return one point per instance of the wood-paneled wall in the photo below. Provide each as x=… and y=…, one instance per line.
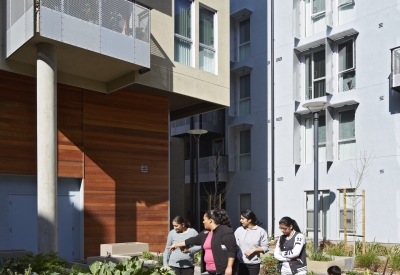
x=104, y=139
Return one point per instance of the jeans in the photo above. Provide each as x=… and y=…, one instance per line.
x=249, y=269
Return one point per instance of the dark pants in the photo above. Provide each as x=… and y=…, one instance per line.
x=183, y=271
x=249, y=269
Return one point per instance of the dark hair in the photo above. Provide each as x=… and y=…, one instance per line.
x=334, y=270
x=250, y=215
x=219, y=216
x=180, y=220
x=288, y=222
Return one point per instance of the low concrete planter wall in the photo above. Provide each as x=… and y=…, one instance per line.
x=345, y=263
x=122, y=248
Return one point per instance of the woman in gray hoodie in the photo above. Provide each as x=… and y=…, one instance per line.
x=252, y=240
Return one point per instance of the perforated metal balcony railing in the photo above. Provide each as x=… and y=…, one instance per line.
x=207, y=167
x=116, y=28
x=396, y=69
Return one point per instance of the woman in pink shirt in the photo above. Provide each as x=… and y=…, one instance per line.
x=218, y=244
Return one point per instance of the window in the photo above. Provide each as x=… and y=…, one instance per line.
x=349, y=209
x=315, y=74
x=309, y=139
x=244, y=39
x=245, y=150
x=315, y=16
x=323, y=211
x=183, y=32
x=245, y=202
x=346, y=11
x=207, y=47
x=244, y=95
x=347, y=138
x=347, y=72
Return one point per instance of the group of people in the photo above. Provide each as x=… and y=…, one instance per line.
x=233, y=253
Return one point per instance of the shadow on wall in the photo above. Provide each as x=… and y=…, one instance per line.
x=123, y=131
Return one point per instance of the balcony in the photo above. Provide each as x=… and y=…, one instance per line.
x=101, y=40
x=213, y=122
x=396, y=69
x=206, y=169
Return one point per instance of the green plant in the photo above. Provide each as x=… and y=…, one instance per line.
x=319, y=256
x=367, y=272
x=147, y=255
x=311, y=273
x=76, y=269
x=336, y=249
x=197, y=258
x=351, y=272
x=393, y=255
x=160, y=259
x=309, y=245
x=269, y=266
x=367, y=260
x=376, y=248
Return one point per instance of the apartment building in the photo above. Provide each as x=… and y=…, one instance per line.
x=239, y=133
x=342, y=52
x=87, y=90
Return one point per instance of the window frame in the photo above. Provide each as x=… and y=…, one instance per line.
x=238, y=94
x=340, y=5
x=310, y=16
x=243, y=154
x=338, y=131
x=238, y=36
x=215, y=37
x=192, y=35
x=313, y=80
x=339, y=73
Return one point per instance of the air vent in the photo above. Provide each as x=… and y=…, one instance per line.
x=144, y=168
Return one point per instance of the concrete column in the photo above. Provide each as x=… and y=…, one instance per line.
x=47, y=147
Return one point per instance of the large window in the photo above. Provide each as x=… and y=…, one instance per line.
x=207, y=44
x=245, y=150
x=347, y=135
x=346, y=11
x=315, y=16
x=309, y=139
x=244, y=95
x=315, y=74
x=183, y=32
x=244, y=39
x=347, y=71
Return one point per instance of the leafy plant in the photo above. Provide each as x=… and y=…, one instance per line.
x=76, y=269
x=367, y=260
x=160, y=259
x=351, y=272
x=319, y=256
x=147, y=255
x=197, y=258
x=309, y=245
x=376, y=248
x=311, y=273
x=336, y=249
x=269, y=266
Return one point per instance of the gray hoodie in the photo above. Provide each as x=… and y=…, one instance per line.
x=251, y=238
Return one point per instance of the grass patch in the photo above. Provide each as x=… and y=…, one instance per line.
x=367, y=260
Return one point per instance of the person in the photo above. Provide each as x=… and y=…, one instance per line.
x=334, y=270
x=181, y=260
x=291, y=249
x=218, y=244
x=252, y=240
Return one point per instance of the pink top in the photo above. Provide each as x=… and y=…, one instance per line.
x=208, y=255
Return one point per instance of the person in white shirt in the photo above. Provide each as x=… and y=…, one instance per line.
x=291, y=250
x=252, y=240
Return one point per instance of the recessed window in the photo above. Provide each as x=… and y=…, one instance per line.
x=207, y=49
x=245, y=202
x=346, y=11
x=347, y=135
x=244, y=95
x=245, y=150
x=315, y=75
x=183, y=32
x=244, y=39
x=347, y=71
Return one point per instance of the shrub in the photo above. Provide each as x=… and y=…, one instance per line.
x=311, y=273
x=319, y=256
x=76, y=269
x=336, y=249
x=376, y=248
x=269, y=266
x=197, y=258
x=351, y=272
x=147, y=255
x=393, y=255
x=160, y=259
x=367, y=260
